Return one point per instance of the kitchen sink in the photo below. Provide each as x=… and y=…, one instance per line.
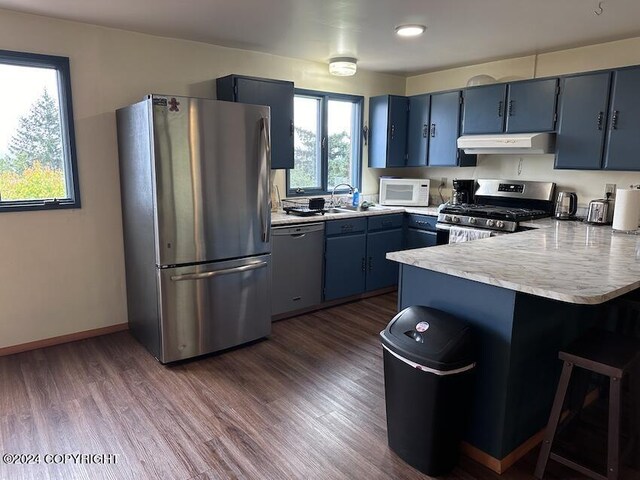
x=338, y=210
x=349, y=209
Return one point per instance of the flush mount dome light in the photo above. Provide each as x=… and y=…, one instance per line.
x=412, y=30
x=343, y=66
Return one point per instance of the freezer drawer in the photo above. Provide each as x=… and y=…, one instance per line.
x=213, y=306
x=297, y=267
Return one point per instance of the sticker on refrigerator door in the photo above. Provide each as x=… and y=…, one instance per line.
x=173, y=105
x=422, y=327
x=159, y=102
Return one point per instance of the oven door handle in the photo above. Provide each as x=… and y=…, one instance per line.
x=447, y=227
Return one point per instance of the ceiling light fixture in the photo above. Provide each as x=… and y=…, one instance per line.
x=343, y=66
x=412, y=30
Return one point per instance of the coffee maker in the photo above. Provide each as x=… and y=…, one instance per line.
x=463, y=191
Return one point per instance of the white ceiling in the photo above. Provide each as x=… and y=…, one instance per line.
x=459, y=32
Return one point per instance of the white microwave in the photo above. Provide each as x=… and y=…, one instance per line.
x=404, y=192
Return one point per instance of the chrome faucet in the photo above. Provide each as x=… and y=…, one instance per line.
x=351, y=190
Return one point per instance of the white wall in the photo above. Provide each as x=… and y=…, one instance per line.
x=63, y=271
x=587, y=184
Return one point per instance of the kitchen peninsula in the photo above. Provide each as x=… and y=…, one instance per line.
x=527, y=295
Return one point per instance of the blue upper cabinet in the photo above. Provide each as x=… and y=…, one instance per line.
x=418, y=130
x=582, y=118
x=388, y=118
x=276, y=94
x=484, y=109
x=623, y=141
x=531, y=106
x=520, y=107
x=444, y=130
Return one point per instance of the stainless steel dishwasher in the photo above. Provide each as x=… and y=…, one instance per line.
x=297, y=256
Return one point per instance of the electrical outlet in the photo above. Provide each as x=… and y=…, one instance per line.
x=443, y=182
x=611, y=189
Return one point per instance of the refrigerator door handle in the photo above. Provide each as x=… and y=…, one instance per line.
x=265, y=162
x=215, y=273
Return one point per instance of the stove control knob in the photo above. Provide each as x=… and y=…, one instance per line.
x=473, y=221
x=500, y=224
x=491, y=223
x=455, y=219
x=447, y=218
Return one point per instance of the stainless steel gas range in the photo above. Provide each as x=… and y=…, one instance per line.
x=500, y=206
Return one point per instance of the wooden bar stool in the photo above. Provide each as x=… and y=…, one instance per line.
x=607, y=354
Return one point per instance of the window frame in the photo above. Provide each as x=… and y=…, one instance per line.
x=324, y=98
x=62, y=68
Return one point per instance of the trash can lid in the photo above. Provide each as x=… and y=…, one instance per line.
x=430, y=337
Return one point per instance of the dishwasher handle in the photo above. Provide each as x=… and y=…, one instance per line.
x=297, y=231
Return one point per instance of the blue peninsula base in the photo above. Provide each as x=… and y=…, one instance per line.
x=518, y=337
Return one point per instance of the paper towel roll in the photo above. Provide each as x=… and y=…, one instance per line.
x=627, y=212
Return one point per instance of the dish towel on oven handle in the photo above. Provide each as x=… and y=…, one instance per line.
x=462, y=234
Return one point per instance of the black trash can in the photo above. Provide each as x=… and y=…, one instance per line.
x=428, y=369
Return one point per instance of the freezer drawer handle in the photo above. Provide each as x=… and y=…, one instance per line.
x=215, y=273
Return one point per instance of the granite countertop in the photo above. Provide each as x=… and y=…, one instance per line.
x=281, y=218
x=563, y=260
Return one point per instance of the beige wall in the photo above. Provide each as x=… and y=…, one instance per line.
x=587, y=184
x=63, y=271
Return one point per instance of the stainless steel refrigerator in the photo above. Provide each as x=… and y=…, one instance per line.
x=194, y=177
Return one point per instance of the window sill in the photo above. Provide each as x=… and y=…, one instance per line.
x=37, y=205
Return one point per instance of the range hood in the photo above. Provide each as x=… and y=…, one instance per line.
x=507, y=143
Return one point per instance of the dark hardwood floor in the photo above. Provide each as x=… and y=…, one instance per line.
x=306, y=404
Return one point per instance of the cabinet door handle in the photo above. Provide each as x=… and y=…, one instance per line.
x=291, y=128
x=364, y=264
x=500, y=105
x=370, y=264
x=393, y=130
x=614, y=120
x=433, y=130
x=511, y=108
x=600, y=117
x=425, y=130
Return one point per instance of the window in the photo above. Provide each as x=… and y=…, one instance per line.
x=328, y=142
x=37, y=141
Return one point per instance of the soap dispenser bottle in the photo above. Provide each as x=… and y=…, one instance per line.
x=356, y=198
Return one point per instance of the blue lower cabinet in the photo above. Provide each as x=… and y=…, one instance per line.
x=420, y=238
x=345, y=265
x=382, y=273
x=355, y=254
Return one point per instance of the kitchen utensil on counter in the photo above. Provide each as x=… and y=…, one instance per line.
x=599, y=211
x=275, y=198
x=627, y=211
x=566, y=205
x=463, y=191
x=304, y=207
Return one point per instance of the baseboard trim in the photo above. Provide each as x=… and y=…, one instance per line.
x=72, y=337
x=501, y=466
